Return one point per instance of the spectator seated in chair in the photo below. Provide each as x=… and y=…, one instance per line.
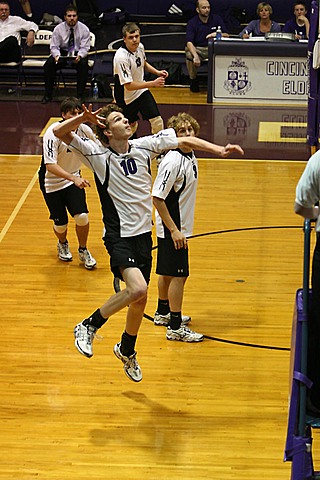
x=70, y=44
x=262, y=25
x=10, y=38
x=26, y=7
x=299, y=24
x=199, y=29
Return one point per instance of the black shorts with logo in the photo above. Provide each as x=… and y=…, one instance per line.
x=71, y=199
x=172, y=262
x=145, y=104
x=130, y=252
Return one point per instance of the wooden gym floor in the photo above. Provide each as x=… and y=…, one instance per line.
x=215, y=410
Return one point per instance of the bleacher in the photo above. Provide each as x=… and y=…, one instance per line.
x=166, y=44
x=145, y=8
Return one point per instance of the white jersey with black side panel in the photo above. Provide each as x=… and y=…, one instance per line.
x=176, y=184
x=129, y=67
x=57, y=152
x=308, y=188
x=124, y=180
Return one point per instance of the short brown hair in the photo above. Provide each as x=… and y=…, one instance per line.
x=105, y=112
x=300, y=3
x=70, y=104
x=130, y=27
x=70, y=8
x=177, y=121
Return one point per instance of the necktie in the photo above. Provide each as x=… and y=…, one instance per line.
x=71, y=43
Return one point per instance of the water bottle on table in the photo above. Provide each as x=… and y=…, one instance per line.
x=95, y=90
x=218, y=33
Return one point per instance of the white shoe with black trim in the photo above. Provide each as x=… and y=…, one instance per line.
x=84, y=335
x=87, y=259
x=130, y=365
x=64, y=253
x=184, y=334
x=165, y=319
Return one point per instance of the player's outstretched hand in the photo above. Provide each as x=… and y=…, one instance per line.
x=92, y=117
x=230, y=148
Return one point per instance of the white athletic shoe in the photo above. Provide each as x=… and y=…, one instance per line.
x=64, y=253
x=130, y=365
x=84, y=335
x=184, y=334
x=165, y=319
x=87, y=259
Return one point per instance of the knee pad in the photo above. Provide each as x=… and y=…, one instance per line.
x=134, y=127
x=60, y=228
x=156, y=124
x=81, y=219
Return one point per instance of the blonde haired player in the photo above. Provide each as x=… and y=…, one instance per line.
x=174, y=196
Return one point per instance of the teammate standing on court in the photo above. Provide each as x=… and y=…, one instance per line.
x=174, y=196
x=63, y=187
x=131, y=91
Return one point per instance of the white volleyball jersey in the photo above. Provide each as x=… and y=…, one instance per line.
x=57, y=152
x=124, y=180
x=129, y=67
x=308, y=188
x=176, y=183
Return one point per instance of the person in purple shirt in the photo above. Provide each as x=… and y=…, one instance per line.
x=263, y=25
x=199, y=28
x=69, y=45
x=299, y=24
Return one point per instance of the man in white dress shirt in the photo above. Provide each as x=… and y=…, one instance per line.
x=10, y=38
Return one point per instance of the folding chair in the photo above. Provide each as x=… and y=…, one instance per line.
x=34, y=58
x=10, y=74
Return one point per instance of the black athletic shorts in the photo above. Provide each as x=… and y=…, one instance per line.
x=130, y=252
x=145, y=104
x=71, y=199
x=172, y=262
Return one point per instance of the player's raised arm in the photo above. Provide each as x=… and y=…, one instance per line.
x=200, y=144
x=64, y=129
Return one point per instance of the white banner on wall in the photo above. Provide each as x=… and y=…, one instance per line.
x=271, y=78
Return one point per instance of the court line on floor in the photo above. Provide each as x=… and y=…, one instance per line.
x=18, y=206
x=233, y=230
x=234, y=342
